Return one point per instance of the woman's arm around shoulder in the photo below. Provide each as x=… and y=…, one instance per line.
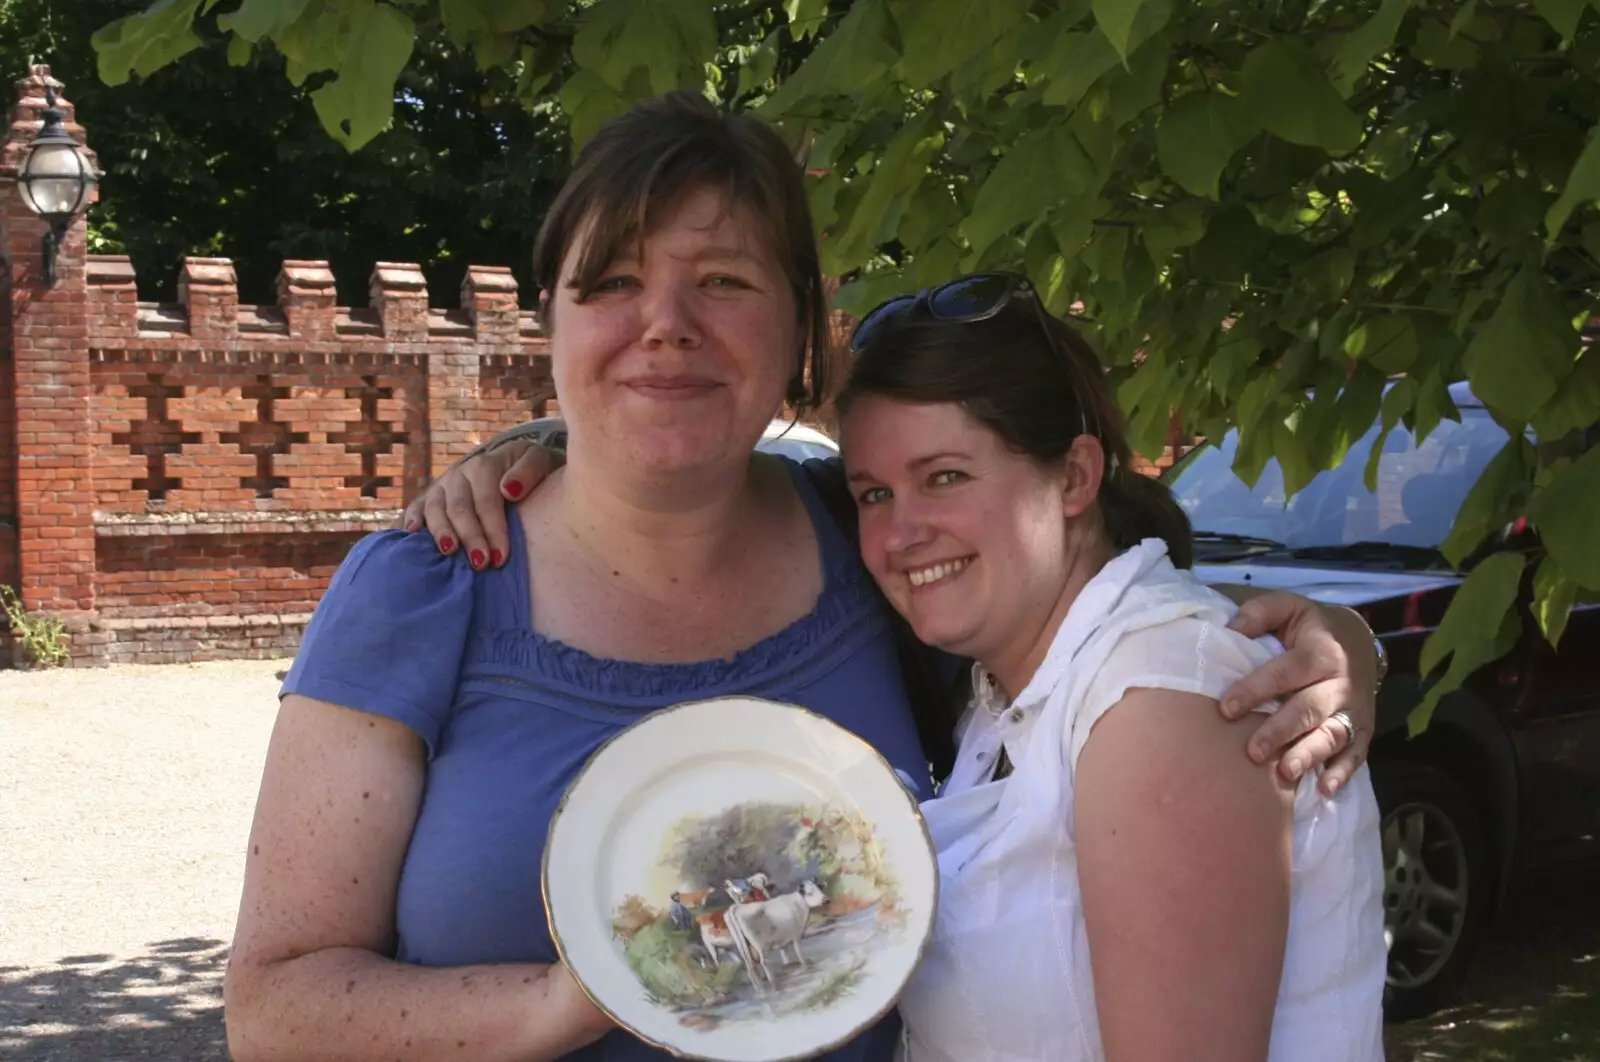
x=1184, y=860
x=309, y=977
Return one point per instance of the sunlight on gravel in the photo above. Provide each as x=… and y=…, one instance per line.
x=125, y=805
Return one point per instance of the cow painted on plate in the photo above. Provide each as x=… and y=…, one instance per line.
x=763, y=909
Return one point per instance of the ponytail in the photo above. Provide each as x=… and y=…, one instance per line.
x=1136, y=507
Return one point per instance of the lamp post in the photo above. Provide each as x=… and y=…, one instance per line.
x=56, y=179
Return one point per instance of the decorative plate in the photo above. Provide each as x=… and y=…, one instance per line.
x=739, y=880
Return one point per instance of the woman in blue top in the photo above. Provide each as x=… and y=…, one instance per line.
x=442, y=701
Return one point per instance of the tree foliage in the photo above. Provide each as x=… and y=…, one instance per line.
x=1271, y=209
x=209, y=158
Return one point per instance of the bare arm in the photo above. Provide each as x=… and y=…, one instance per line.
x=1184, y=860
x=308, y=978
x=1330, y=666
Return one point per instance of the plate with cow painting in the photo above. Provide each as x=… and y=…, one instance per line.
x=739, y=880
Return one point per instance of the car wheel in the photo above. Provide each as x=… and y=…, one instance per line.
x=1437, y=884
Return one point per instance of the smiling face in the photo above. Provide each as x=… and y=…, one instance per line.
x=971, y=541
x=680, y=356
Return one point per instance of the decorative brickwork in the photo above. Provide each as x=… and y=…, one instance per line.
x=179, y=482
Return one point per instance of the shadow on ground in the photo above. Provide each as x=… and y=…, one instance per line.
x=166, y=1004
x=1533, y=994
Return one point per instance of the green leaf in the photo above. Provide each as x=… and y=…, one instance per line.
x=663, y=37
x=589, y=103
x=1567, y=512
x=759, y=67
x=239, y=51
x=1115, y=19
x=1387, y=341
x=1480, y=626
x=1396, y=404
x=1562, y=15
x=1169, y=228
x=255, y=19
x=874, y=218
x=359, y=104
x=940, y=35
x=512, y=16
x=1231, y=238
x=1283, y=87
x=850, y=60
x=1576, y=401
x=1042, y=168
x=1582, y=186
x=1553, y=597
x=1491, y=502
x=142, y=44
x=1075, y=62
x=1198, y=135
x=1524, y=352
x=805, y=17
x=1374, y=37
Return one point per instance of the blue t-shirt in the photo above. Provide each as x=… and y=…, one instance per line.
x=509, y=718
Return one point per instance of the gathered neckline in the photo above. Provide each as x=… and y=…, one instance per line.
x=848, y=599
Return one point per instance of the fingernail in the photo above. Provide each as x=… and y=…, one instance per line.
x=1332, y=786
x=446, y=544
x=1258, y=751
x=1230, y=708
x=496, y=558
x=1296, y=768
x=411, y=525
x=476, y=557
x=513, y=488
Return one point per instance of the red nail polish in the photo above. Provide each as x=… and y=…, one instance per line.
x=446, y=544
x=476, y=557
x=495, y=557
x=514, y=489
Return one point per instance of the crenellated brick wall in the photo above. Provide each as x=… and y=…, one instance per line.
x=178, y=482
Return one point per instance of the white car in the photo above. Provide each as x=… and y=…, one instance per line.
x=794, y=441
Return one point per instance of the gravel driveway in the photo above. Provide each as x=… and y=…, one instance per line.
x=125, y=803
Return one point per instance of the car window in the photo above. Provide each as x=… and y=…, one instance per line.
x=796, y=449
x=1419, y=489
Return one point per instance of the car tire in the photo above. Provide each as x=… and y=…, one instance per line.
x=1438, y=884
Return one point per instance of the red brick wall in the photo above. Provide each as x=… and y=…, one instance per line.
x=179, y=482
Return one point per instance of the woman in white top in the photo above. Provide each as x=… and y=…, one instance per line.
x=1118, y=881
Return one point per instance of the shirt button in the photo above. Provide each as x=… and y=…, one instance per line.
x=983, y=757
x=1016, y=715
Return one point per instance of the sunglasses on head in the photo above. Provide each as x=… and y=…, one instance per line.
x=965, y=300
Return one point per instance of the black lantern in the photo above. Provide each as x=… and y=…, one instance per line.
x=56, y=179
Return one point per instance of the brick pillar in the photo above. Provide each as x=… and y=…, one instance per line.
x=489, y=294
x=399, y=293
x=454, y=402
x=47, y=334
x=306, y=295
x=210, y=291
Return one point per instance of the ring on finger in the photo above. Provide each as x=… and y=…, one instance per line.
x=1343, y=719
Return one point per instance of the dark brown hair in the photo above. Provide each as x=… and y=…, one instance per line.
x=641, y=165
x=1003, y=371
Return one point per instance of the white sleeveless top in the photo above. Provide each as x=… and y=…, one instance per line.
x=1006, y=977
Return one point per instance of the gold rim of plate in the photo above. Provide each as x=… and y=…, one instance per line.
x=656, y=716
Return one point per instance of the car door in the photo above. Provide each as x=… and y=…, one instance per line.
x=1558, y=735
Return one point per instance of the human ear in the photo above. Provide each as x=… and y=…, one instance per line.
x=1084, y=469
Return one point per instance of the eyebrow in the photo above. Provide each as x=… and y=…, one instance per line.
x=916, y=462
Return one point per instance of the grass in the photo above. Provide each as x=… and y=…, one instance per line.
x=1533, y=994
